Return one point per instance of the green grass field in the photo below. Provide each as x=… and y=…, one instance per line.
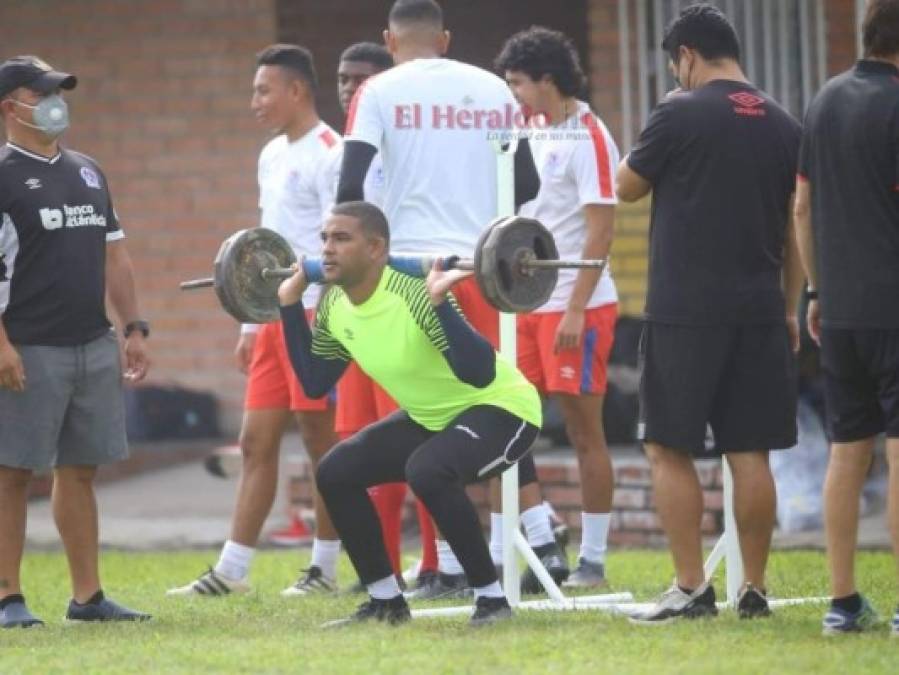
x=262, y=632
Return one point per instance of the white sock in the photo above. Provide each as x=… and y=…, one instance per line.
x=384, y=589
x=594, y=536
x=493, y=590
x=447, y=562
x=496, y=538
x=234, y=562
x=324, y=556
x=536, y=526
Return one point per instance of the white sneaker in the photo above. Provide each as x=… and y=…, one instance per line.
x=675, y=604
x=312, y=582
x=211, y=584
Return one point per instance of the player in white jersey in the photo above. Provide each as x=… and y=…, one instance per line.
x=564, y=346
x=292, y=203
x=431, y=119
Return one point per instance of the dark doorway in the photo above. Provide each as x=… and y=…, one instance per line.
x=478, y=27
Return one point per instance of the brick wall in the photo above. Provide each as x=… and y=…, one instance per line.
x=163, y=105
x=634, y=520
x=841, y=47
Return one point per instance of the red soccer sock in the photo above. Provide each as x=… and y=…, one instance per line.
x=388, y=500
x=428, y=538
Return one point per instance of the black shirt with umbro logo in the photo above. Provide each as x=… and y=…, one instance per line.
x=56, y=217
x=850, y=156
x=722, y=163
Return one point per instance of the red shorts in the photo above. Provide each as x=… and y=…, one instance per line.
x=483, y=317
x=272, y=384
x=360, y=401
x=572, y=371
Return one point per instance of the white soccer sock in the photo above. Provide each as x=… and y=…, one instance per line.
x=536, y=526
x=493, y=590
x=447, y=562
x=594, y=536
x=496, y=538
x=384, y=589
x=324, y=556
x=234, y=562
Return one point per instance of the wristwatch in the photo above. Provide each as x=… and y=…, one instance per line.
x=811, y=294
x=139, y=324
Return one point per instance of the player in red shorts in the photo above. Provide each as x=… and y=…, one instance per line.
x=564, y=346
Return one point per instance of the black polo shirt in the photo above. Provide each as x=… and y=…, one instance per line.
x=56, y=217
x=721, y=160
x=850, y=156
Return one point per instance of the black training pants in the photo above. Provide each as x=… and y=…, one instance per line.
x=480, y=443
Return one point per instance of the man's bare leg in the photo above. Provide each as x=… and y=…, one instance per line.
x=13, y=516
x=755, y=507
x=678, y=497
x=75, y=513
x=846, y=472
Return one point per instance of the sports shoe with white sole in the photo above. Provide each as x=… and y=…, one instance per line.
x=441, y=586
x=752, y=603
x=553, y=559
x=211, y=584
x=675, y=604
x=312, y=581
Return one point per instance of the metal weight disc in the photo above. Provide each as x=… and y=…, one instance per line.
x=501, y=248
x=243, y=292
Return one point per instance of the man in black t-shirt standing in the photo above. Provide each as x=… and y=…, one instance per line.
x=847, y=219
x=724, y=283
x=61, y=404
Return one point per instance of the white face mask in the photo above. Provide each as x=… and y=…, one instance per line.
x=51, y=115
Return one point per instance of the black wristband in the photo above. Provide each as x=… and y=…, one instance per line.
x=141, y=325
x=811, y=294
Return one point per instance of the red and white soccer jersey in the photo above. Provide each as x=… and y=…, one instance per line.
x=576, y=160
x=291, y=195
x=432, y=121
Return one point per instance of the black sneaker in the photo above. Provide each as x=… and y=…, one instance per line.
x=753, y=603
x=553, y=559
x=99, y=608
x=442, y=587
x=14, y=613
x=675, y=604
x=490, y=610
x=393, y=612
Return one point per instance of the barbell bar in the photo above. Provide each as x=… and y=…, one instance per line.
x=516, y=265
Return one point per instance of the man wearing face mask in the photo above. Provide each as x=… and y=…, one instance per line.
x=724, y=284
x=63, y=254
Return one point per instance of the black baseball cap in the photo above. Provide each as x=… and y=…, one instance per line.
x=32, y=72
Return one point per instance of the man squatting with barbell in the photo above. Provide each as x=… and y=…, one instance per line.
x=465, y=415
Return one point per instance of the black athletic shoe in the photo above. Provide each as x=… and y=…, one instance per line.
x=393, y=612
x=490, y=610
x=753, y=603
x=675, y=604
x=553, y=559
x=442, y=587
x=99, y=608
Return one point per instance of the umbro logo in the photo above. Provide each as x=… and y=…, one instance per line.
x=33, y=183
x=348, y=334
x=566, y=373
x=748, y=104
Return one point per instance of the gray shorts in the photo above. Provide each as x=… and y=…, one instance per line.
x=72, y=411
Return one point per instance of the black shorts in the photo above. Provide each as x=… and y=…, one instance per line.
x=739, y=379
x=861, y=382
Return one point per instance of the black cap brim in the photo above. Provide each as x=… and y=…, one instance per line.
x=51, y=81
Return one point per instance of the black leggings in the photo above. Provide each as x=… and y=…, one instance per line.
x=479, y=444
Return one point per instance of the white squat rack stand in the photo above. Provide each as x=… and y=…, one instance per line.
x=513, y=540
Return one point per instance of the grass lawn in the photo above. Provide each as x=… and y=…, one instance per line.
x=262, y=632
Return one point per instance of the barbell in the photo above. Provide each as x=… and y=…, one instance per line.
x=515, y=263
